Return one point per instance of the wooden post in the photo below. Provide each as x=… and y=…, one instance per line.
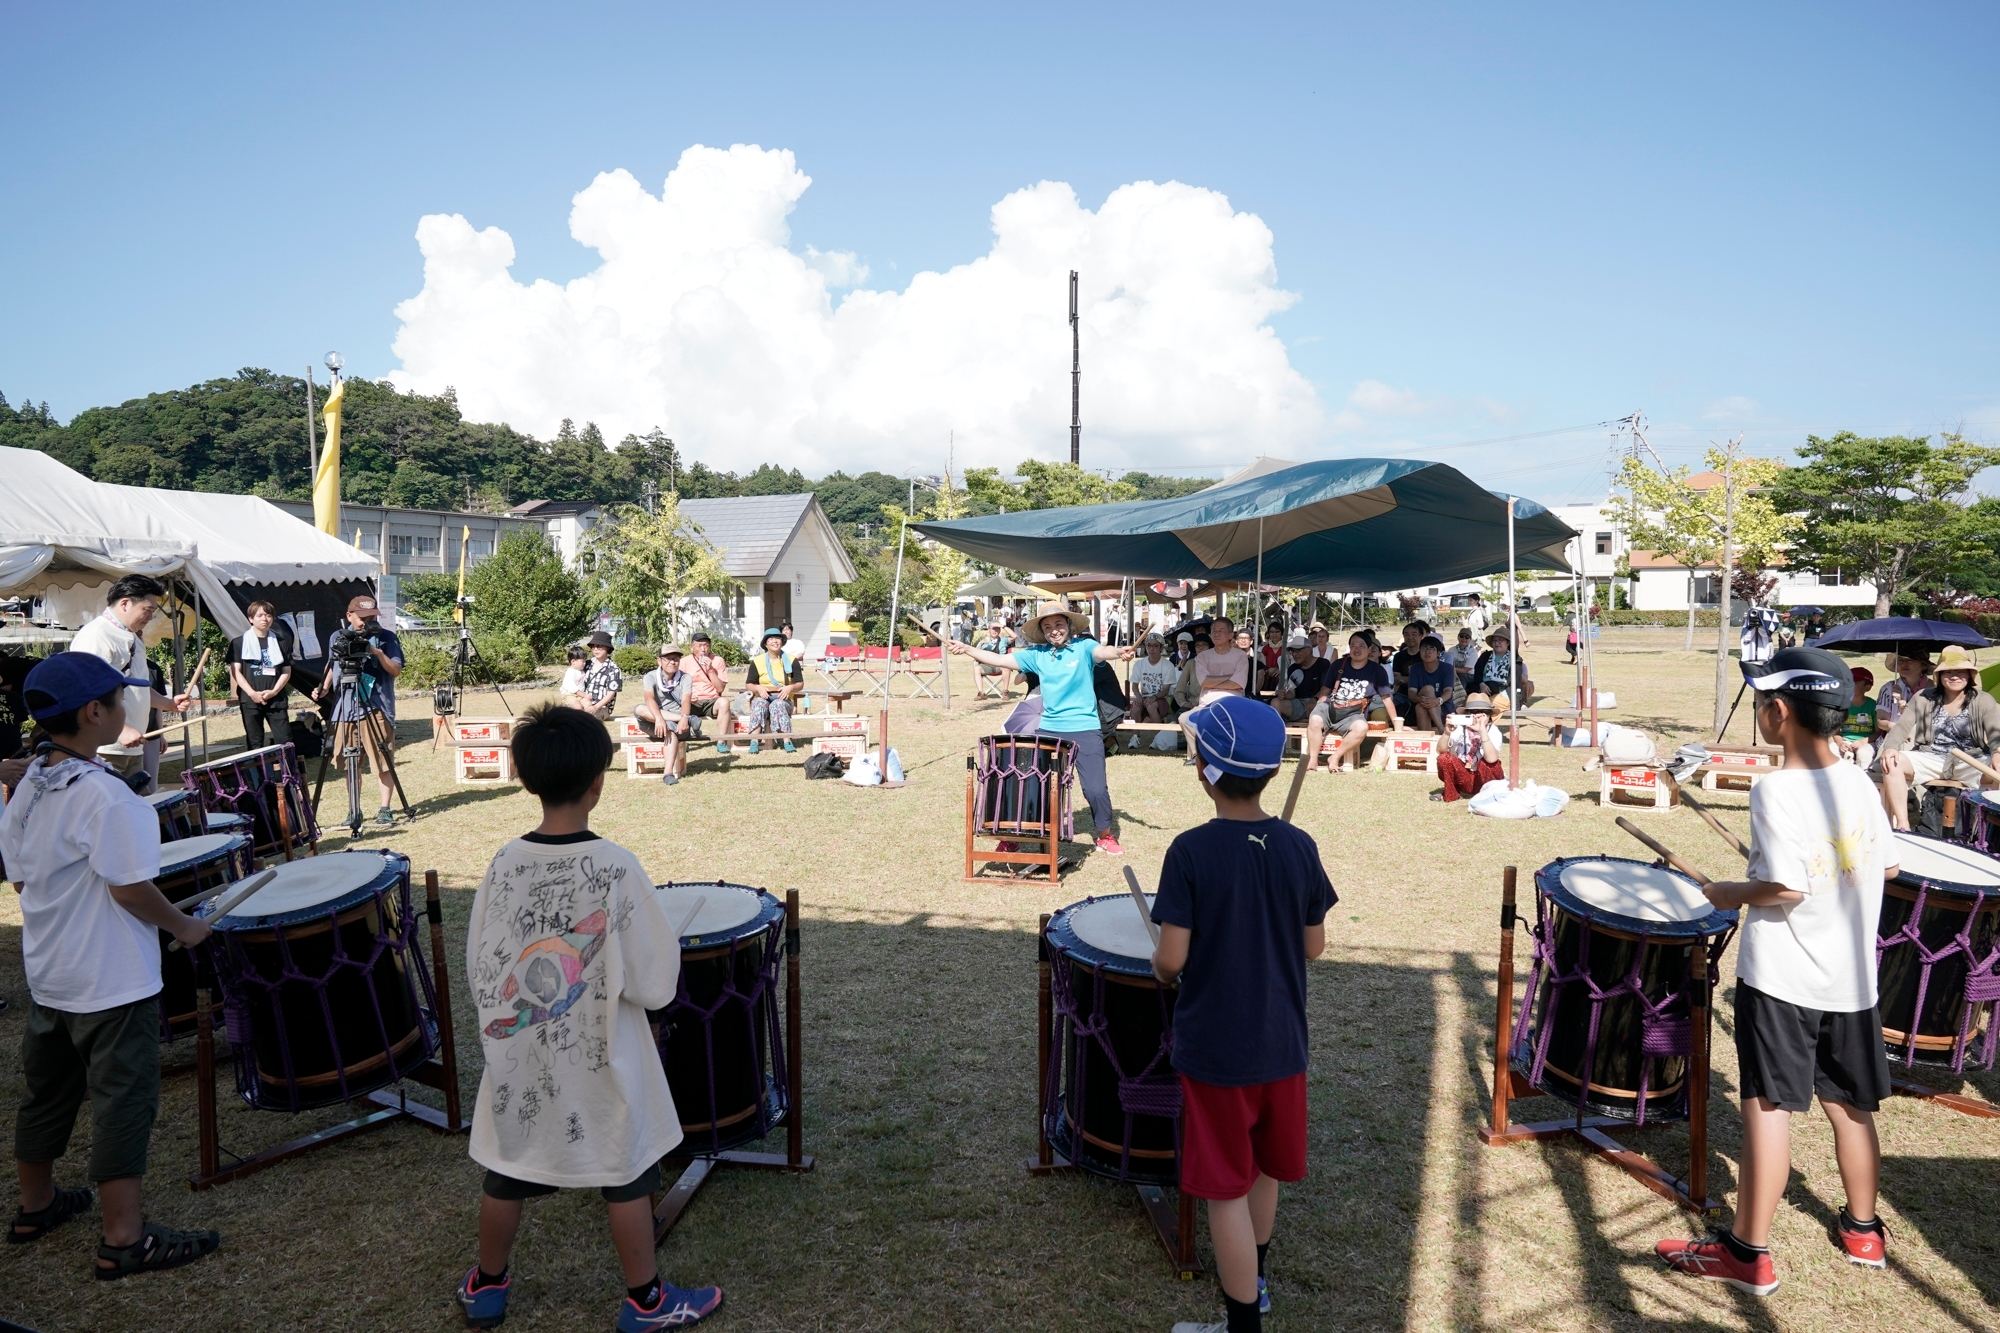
x=1698, y=1076
x=285, y=817
x=794, y=1049
x=1044, y=1040
x=971, y=780
x=1503, y=1022
x=885, y=733
x=441, y=985
x=1948, y=827
x=204, y=1091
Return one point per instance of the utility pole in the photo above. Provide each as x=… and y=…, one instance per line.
x=651, y=491
x=1730, y=452
x=1075, y=380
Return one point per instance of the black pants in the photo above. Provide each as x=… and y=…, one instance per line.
x=277, y=713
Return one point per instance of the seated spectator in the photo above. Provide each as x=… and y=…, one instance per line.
x=1855, y=740
x=1322, y=641
x=599, y=681
x=1270, y=658
x=1470, y=755
x=1953, y=714
x=1151, y=686
x=1184, y=649
x=1403, y=660
x=1356, y=690
x=1304, y=681
x=708, y=685
x=773, y=682
x=662, y=711
x=1225, y=667
x=998, y=639
x=570, y=691
x=1429, y=692
x=1912, y=677
x=1491, y=673
x=1464, y=657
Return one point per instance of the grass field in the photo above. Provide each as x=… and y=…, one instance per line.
x=920, y=1083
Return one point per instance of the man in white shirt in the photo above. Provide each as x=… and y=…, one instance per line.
x=1153, y=679
x=1224, y=668
x=114, y=637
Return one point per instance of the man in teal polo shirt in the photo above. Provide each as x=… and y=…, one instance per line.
x=1064, y=659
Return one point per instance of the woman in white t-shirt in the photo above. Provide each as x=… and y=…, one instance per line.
x=1151, y=685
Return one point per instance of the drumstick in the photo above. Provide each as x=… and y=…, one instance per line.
x=1983, y=768
x=174, y=726
x=701, y=901
x=229, y=904
x=1299, y=772
x=1145, y=912
x=1668, y=856
x=1687, y=799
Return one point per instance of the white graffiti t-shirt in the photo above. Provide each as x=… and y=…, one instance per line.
x=567, y=949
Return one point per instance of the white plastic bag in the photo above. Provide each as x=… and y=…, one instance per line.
x=863, y=772
x=1628, y=745
x=895, y=773
x=1167, y=741
x=1527, y=801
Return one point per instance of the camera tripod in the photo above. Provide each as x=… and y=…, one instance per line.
x=354, y=720
x=445, y=700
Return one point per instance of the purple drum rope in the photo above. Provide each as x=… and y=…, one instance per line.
x=227, y=785
x=1660, y=1035
x=1144, y=1092
x=762, y=1042
x=239, y=980
x=1982, y=982
x=1000, y=762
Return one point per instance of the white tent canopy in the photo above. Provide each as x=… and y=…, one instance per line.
x=244, y=539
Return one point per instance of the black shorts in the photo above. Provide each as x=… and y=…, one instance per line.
x=508, y=1189
x=1785, y=1053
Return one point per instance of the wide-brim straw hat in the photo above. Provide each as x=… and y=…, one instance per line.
x=1079, y=623
x=1954, y=658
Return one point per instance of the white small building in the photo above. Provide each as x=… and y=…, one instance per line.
x=785, y=558
x=565, y=521
x=1660, y=584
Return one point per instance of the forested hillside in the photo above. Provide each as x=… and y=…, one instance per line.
x=247, y=435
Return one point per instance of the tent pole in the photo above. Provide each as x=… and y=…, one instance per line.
x=895, y=602
x=1263, y=611
x=180, y=683
x=1513, y=662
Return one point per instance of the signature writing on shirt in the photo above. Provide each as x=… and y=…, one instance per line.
x=544, y=973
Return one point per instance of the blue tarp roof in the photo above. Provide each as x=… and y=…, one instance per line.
x=1343, y=525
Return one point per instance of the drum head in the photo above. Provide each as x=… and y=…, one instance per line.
x=170, y=796
x=228, y=823
x=1944, y=863
x=728, y=906
x=1112, y=925
x=312, y=882
x=1632, y=889
x=185, y=852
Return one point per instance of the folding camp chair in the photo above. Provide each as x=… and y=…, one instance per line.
x=840, y=664
x=925, y=668
x=874, y=669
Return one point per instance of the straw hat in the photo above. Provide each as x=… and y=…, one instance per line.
x=1954, y=658
x=1079, y=623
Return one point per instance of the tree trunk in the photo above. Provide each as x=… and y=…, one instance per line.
x=1881, y=601
x=1689, y=645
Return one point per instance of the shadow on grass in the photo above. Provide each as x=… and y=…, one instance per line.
x=1915, y=1186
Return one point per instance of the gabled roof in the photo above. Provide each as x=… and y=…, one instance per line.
x=553, y=508
x=754, y=530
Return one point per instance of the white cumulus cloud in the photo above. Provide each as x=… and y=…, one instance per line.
x=702, y=320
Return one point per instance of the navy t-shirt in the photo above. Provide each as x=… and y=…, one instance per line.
x=1247, y=890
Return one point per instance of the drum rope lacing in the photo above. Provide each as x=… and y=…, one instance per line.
x=1982, y=981
x=1015, y=766
x=239, y=980
x=227, y=782
x=773, y=1040
x=1145, y=1092
x=1660, y=1036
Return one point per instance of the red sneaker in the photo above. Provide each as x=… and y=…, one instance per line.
x=1870, y=1249
x=1109, y=845
x=1712, y=1259
x=1008, y=847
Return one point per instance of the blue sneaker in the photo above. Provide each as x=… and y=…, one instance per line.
x=679, y=1307
x=486, y=1307
x=1263, y=1297
x=791, y=748
x=756, y=747
x=722, y=747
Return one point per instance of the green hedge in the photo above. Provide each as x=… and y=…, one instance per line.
x=635, y=659
x=427, y=658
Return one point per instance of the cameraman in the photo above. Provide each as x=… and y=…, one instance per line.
x=379, y=654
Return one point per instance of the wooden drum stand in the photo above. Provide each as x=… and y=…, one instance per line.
x=440, y=1072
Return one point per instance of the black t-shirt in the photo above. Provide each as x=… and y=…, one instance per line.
x=260, y=674
x=1403, y=662
x=1248, y=891
x=1308, y=680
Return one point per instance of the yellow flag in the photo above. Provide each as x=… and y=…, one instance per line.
x=326, y=482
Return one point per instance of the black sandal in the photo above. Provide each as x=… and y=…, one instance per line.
x=157, y=1248
x=67, y=1204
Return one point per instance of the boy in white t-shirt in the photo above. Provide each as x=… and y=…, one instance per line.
x=1806, y=1017
x=566, y=949
x=84, y=851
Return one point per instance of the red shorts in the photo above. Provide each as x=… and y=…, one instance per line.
x=1230, y=1135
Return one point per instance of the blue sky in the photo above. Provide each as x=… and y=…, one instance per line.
x=1769, y=219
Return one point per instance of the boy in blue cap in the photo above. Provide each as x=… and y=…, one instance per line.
x=84, y=851
x=1241, y=908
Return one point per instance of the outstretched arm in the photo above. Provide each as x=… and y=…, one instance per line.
x=1121, y=654
x=962, y=649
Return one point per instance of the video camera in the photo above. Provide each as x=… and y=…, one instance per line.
x=349, y=649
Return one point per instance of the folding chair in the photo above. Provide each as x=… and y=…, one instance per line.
x=989, y=686
x=925, y=667
x=840, y=664
x=874, y=669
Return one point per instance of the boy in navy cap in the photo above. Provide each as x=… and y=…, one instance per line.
x=1241, y=908
x=1806, y=1016
x=84, y=851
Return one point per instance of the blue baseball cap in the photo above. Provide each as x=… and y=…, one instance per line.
x=71, y=680
x=1237, y=735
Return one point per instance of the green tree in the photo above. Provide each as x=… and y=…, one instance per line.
x=1890, y=509
x=1045, y=486
x=647, y=566
x=524, y=586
